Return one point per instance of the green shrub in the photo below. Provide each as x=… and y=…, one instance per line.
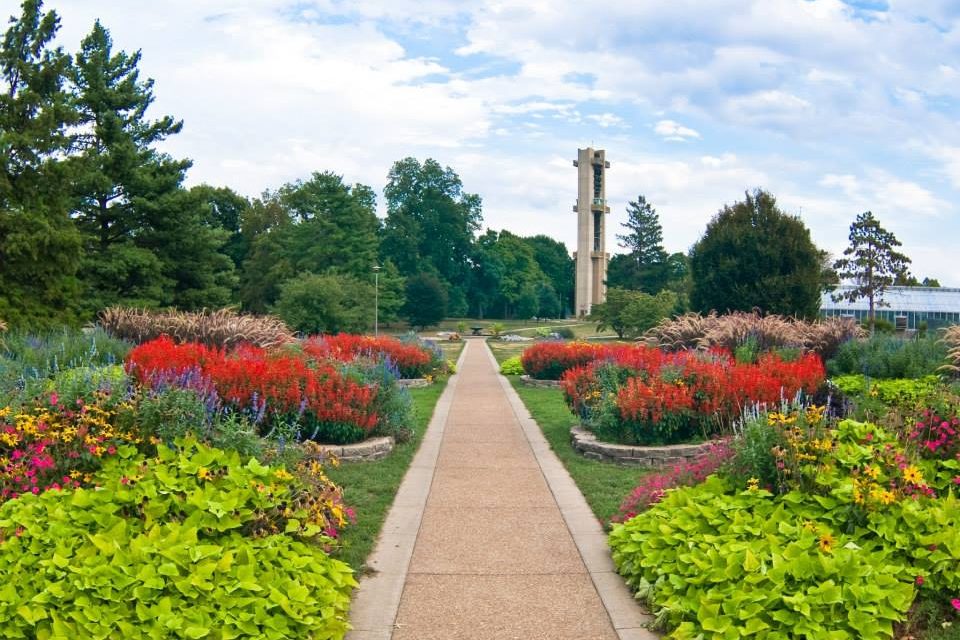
x=194, y=544
x=109, y=382
x=565, y=332
x=875, y=396
x=886, y=356
x=512, y=366
x=839, y=558
x=713, y=563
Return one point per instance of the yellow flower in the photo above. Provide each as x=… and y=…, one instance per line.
x=872, y=471
x=5, y=412
x=826, y=543
x=282, y=474
x=203, y=473
x=753, y=484
x=913, y=475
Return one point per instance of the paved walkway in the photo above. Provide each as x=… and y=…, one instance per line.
x=488, y=537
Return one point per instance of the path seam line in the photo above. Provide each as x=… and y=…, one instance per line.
x=373, y=611
x=626, y=616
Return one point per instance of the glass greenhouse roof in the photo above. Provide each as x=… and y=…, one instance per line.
x=929, y=299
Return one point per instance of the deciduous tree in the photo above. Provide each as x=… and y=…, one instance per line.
x=430, y=225
x=753, y=255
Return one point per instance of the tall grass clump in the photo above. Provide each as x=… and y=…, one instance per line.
x=760, y=333
x=221, y=328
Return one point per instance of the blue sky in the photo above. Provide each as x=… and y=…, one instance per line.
x=835, y=107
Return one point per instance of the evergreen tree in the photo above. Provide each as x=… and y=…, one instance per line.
x=753, y=255
x=148, y=241
x=39, y=245
x=644, y=266
x=871, y=262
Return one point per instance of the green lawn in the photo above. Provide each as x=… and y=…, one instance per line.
x=369, y=487
x=604, y=485
x=503, y=350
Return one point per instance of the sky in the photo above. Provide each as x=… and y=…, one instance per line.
x=834, y=107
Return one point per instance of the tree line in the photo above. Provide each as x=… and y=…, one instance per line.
x=752, y=256
x=93, y=214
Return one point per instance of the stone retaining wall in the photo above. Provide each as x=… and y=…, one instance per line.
x=653, y=457
x=543, y=384
x=366, y=451
x=414, y=383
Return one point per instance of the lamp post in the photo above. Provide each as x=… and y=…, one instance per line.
x=376, y=300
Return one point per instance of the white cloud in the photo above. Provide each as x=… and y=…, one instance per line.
x=792, y=95
x=605, y=120
x=671, y=130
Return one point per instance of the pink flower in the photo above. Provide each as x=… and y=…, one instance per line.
x=54, y=399
x=955, y=603
x=919, y=581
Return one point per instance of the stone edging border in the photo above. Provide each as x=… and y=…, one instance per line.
x=366, y=451
x=587, y=445
x=414, y=383
x=626, y=614
x=543, y=384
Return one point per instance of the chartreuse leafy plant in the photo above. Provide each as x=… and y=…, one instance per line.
x=713, y=563
x=859, y=529
x=512, y=366
x=193, y=544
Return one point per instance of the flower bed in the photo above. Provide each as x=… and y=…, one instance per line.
x=642, y=395
x=550, y=360
x=413, y=358
x=812, y=528
x=273, y=388
x=154, y=552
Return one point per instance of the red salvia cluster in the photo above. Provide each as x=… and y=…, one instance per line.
x=261, y=383
x=550, y=360
x=694, y=384
x=411, y=360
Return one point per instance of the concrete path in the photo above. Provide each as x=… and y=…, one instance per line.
x=489, y=537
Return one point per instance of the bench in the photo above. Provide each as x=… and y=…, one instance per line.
x=476, y=330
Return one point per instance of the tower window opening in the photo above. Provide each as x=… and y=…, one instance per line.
x=596, y=230
x=597, y=180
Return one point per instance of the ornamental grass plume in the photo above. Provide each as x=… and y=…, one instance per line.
x=951, y=338
x=221, y=328
x=732, y=330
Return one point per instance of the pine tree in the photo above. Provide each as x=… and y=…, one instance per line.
x=872, y=262
x=644, y=266
x=148, y=241
x=39, y=245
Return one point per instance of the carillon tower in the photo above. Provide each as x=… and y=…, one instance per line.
x=591, y=209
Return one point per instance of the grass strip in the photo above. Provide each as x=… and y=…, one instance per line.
x=603, y=484
x=369, y=487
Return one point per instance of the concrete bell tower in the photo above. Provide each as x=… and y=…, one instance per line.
x=591, y=256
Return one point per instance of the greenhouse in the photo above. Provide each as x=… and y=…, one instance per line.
x=907, y=308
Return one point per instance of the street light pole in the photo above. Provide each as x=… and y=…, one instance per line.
x=376, y=300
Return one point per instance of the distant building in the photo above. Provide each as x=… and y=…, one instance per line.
x=905, y=307
x=591, y=255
